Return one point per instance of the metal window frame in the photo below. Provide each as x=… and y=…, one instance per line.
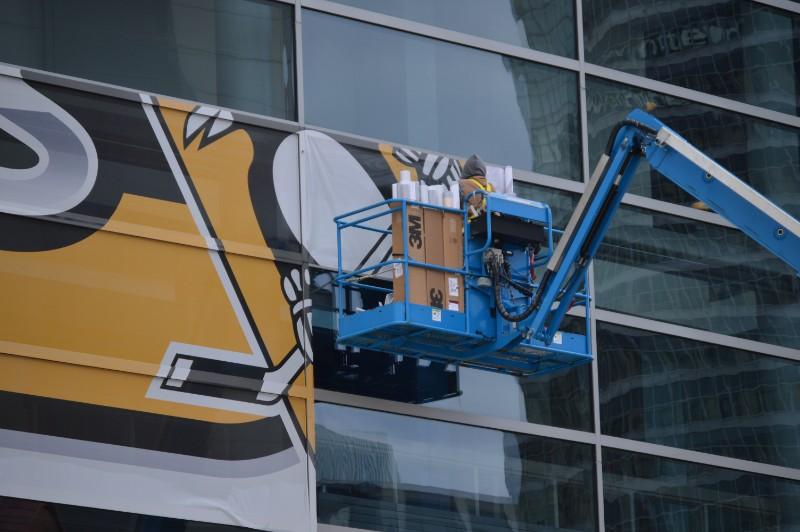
x=439, y=33
x=549, y=431
x=701, y=335
x=600, y=510
x=298, y=62
x=582, y=68
x=576, y=65
x=692, y=95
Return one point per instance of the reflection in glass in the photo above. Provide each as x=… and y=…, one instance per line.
x=236, y=54
x=561, y=202
x=381, y=471
x=700, y=275
x=546, y=25
x=683, y=393
x=643, y=492
x=404, y=88
x=741, y=50
x=763, y=154
x=562, y=399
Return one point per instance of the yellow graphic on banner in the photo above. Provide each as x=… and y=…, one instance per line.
x=115, y=297
x=113, y=301
x=220, y=173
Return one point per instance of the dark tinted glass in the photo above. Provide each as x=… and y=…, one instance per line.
x=763, y=154
x=562, y=399
x=741, y=50
x=381, y=471
x=643, y=492
x=683, y=393
x=561, y=202
x=26, y=515
x=700, y=275
x=237, y=54
x=391, y=85
x=546, y=25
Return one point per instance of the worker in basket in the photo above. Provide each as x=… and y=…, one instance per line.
x=473, y=177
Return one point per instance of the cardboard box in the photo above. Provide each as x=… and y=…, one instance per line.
x=416, y=251
x=434, y=254
x=453, y=255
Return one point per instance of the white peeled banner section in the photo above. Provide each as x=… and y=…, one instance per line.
x=335, y=183
x=286, y=180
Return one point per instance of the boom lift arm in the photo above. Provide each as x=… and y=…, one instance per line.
x=642, y=136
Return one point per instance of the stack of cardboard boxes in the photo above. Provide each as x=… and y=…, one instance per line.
x=434, y=237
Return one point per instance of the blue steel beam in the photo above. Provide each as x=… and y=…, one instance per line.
x=642, y=136
x=726, y=194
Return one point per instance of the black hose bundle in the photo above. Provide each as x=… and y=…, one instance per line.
x=498, y=269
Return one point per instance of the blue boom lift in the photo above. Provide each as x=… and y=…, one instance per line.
x=511, y=322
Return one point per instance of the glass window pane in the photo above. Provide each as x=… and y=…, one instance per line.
x=700, y=275
x=561, y=202
x=741, y=50
x=684, y=393
x=546, y=25
x=643, y=492
x=763, y=154
x=381, y=471
x=404, y=88
x=236, y=54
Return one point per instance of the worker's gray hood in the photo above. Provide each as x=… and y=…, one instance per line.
x=474, y=166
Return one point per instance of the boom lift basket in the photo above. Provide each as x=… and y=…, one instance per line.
x=474, y=335
x=517, y=331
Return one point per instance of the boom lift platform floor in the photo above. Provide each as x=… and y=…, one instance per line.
x=386, y=328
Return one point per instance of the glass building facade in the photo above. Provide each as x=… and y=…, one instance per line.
x=689, y=417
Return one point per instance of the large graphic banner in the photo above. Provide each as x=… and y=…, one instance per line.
x=155, y=350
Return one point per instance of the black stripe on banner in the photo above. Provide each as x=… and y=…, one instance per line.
x=143, y=430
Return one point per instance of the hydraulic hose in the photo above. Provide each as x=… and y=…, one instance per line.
x=503, y=311
x=495, y=267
